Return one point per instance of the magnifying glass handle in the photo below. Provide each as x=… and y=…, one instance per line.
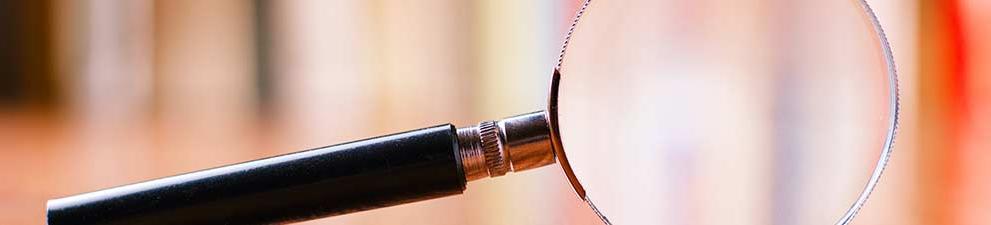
x=367, y=174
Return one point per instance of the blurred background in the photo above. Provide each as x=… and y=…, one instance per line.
x=98, y=93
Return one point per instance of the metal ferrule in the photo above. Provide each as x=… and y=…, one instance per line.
x=494, y=148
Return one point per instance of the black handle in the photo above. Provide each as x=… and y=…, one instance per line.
x=373, y=173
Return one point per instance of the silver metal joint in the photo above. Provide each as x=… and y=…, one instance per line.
x=494, y=148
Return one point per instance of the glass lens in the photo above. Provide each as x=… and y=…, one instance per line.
x=726, y=111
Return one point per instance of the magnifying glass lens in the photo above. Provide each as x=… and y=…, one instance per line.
x=726, y=112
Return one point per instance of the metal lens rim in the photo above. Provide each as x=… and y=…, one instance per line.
x=881, y=164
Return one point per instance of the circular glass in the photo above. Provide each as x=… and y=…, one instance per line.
x=725, y=112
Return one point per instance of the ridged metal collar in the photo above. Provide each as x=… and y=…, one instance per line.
x=494, y=148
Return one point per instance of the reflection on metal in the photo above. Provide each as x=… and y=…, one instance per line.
x=493, y=148
x=553, y=118
x=889, y=139
x=596, y=210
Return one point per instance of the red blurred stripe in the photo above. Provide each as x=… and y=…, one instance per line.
x=958, y=113
x=943, y=110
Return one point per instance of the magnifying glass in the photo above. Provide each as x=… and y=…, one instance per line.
x=680, y=112
x=736, y=112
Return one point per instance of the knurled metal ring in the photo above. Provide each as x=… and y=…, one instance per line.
x=494, y=157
